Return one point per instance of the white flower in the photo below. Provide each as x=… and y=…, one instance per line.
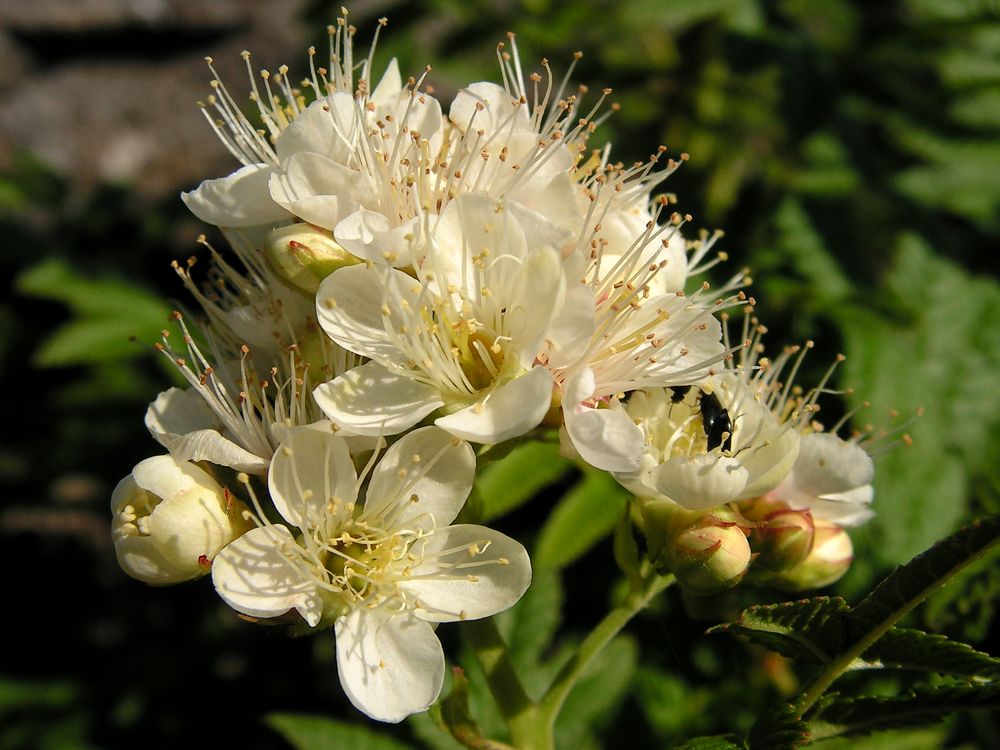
x=462, y=336
x=832, y=478
x=380, y=570
x=169, y=519
x=352, y=147
x=634, y=342
x=708, y=446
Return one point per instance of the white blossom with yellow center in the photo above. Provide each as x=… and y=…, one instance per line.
x=380, y=570
x=699, y=464
x=353, y=147
x=460, y=336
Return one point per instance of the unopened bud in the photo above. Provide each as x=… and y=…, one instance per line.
x=170, y=520
x=304, y=255
x=706, y=552
x=783, y=540
x=830, y=557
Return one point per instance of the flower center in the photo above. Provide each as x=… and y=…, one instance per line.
x=362, y=560
x=481, y=358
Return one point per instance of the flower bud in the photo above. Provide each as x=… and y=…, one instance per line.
x=706, y=553
x=170, y=518
x=830, y=557
x=783, y=540
x=304, y=255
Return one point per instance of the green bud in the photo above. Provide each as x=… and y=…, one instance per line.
x=783, y=540
x=830, y=557
x=706, y=552
x=304, y=255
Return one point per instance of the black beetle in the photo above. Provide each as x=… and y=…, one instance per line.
x=716, y=422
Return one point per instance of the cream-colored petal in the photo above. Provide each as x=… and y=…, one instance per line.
x=701, y=481
x=325, y=127
x=390, y=665
x=467, y=572
x=240, y=200
x=314, y=188
x=371, y=400
x=349, y=307
x=422, y=481
x=312, y=479
x=605, y=438
x=263, y=574
x=506, y=412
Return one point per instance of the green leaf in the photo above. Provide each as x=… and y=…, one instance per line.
x=809, y=629
x=586, y=514
x=599, y=693
x=626, y=549
x=914, y=739
x=530, y=625
x=456, y=715
x=804, y=247
x=717, y=742
x=108, y=315
x=673, y=706
x=910, y=584
x=17, y=694
x=949, y=358
x=905, y=648
x=518, y=477
x=864, y=715
x=86, y=341
x=780, y=729
x=304, y=732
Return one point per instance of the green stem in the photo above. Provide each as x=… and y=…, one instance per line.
x=633, y=603
x=516, y=708
x=839, y=665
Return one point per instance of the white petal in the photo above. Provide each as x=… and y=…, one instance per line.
x=700, y=481
x=605, y=438
x=240, y=200
x=370, y=400
x=467, y=572
x=312, y=479
x=357, y=231
x=847, y=510
x=389, y=666
x=390, y=84
x=180, y=410
x=572, y=328
x=314, y=188
x=828, y=465
x=211, y=446
x=579, y=386
x=165, y=477
x=370, y=236
x=349, y=309
x=254, y=575
x=323, y=128
x=557, y=218
x=769, y=464
x=425, y=477
x=534, y=303
x=183, y=423
x=506, y=412
x=497, y=108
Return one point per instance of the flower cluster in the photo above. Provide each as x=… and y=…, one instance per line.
x=409, y=281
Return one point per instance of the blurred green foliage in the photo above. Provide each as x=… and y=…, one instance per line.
x=850, y=151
